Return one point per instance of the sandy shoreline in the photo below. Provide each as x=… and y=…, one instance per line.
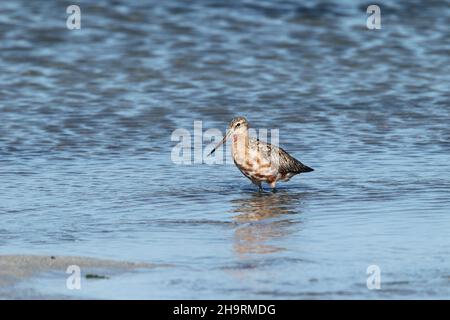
x=15, y=268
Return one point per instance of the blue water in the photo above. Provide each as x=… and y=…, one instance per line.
x=85, y=146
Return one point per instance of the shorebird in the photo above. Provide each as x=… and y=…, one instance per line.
x=257, y=160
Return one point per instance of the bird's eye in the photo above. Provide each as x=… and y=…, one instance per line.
x=238, y=125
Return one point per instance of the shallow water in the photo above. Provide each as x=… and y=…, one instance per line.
x=85, y=146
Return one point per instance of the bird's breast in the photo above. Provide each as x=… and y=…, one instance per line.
x=255, y=168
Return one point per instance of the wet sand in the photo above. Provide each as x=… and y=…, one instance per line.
x=18, y=268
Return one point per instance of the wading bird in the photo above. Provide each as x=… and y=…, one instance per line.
x=257, y=160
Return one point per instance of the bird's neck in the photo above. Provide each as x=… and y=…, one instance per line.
x=239, y=146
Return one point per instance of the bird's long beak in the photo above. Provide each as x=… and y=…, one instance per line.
x=220, y=143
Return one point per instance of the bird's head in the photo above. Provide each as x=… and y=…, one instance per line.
x=237, y=126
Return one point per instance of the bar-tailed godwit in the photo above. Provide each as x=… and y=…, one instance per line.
x=257, y=160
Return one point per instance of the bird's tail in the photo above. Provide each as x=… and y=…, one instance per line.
x=302, y=168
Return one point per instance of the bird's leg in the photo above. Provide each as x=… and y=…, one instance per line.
x=272, y=185
x=260, y=187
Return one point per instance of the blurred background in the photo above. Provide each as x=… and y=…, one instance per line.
x=86, y=118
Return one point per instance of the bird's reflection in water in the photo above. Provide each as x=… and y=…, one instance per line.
x=264, y=217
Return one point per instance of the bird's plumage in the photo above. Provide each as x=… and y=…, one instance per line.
x=258, y=160
x=272, y=153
